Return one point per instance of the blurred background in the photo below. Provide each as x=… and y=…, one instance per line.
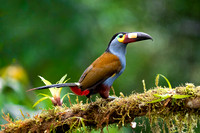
x=54, y=38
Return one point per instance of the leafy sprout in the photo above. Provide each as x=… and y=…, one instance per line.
x=166, y=96
x=55, y=92
x=157, y=80
x=170, y=94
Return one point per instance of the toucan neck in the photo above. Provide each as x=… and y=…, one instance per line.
x=118, y=50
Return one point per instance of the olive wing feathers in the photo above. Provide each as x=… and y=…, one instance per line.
x=102, y=68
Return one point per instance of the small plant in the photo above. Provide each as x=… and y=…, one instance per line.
x=157, y=80
x=170, y=94
x=55, y=92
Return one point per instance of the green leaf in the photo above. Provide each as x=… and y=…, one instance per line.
x=62, y=79
x=163, y=96
x=60, y=82
x=180, y=96
x=66, y=95
x=156, y=95
x=66, y=80
x=155, y=101
x=40, y=100
x=157, y=80
x=46, y=82
x=45, y=95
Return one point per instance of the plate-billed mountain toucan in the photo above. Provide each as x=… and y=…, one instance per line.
x=100, y=75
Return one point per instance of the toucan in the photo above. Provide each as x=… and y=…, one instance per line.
x=100, y=75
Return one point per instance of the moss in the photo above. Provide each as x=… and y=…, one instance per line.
x=169, y=113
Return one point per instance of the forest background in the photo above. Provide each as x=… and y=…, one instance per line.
x=54, y=38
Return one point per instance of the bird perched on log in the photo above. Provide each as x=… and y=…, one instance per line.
x=100, y=75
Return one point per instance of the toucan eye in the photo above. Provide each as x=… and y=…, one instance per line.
x=121, y=35
x=120, y=38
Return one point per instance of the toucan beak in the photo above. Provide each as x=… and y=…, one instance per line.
x=136, y=36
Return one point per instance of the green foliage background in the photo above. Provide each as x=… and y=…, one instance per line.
x=52, y=38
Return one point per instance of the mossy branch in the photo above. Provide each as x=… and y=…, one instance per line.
x=178, y=113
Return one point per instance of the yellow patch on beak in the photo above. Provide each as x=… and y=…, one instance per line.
x=132, y=35
x=121, y=39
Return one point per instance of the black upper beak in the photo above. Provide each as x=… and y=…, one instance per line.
x=143, y=36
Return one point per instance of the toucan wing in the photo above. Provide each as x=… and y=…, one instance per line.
x=102, y=68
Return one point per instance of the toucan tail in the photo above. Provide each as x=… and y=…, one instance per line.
x=56, y=85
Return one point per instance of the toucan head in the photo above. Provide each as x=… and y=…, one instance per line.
x=132, y=37
x=121, y=39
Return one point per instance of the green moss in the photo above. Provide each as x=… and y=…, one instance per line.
x=171, y=114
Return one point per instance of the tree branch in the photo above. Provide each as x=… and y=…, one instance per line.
x=181, y=105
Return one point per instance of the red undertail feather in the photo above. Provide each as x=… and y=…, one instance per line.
x=78, y=91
